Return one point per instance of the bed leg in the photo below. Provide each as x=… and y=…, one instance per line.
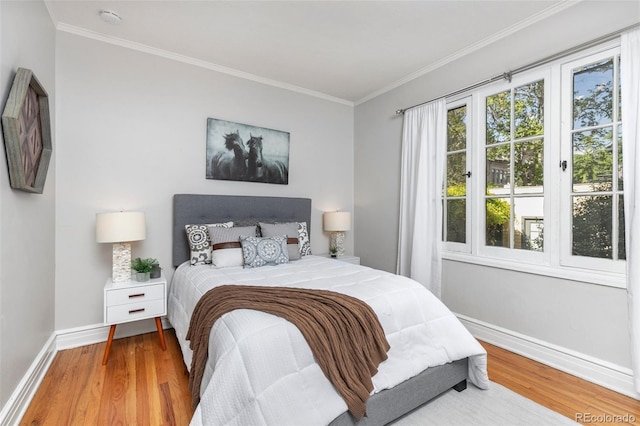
x=461, y=386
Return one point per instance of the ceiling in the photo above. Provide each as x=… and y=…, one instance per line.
x=348, y=51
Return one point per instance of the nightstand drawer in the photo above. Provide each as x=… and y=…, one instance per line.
x=135, y=311
x=136, y=294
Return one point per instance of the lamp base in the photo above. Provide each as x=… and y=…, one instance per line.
x=121, y=262
x=336, y=240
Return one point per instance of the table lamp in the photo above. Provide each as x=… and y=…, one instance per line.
x=120, y=228
x=337, y=222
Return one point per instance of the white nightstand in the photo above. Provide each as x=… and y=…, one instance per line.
x=132, y=301
x=349, y=259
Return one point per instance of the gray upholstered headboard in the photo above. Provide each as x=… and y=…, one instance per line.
x=195, y=209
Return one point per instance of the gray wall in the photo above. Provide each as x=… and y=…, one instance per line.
x=132, y=132
x=27, y=255
x=583, y=317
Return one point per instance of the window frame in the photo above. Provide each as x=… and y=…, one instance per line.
x=480, y=183
x=450, y=245
x=567, y=258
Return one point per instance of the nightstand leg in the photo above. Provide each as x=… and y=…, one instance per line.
x=112, y=331
x=161, y=333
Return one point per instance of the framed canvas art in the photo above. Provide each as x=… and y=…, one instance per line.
x=242, y=152
x=26, y=127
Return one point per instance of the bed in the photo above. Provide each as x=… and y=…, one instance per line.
x=278, y=387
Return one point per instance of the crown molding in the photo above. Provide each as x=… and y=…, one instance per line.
x=544, y=14
x=82, y=32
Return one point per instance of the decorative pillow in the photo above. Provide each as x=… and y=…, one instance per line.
x=290, y=230
x=200, y=242
x=261, y=251
x=225, y=245
x=304, y=242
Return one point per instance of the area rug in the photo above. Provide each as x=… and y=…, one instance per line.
x=496, y=406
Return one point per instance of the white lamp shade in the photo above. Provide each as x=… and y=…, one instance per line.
x=337, y=221
x=120, y=227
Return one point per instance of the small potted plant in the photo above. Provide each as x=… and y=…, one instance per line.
x=143, y=268
x=333, y=251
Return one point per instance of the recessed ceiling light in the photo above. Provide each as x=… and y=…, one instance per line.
x=110, y=17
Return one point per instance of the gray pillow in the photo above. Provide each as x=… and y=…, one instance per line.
x=225, y=245
x=264, y=251
x=289, y=229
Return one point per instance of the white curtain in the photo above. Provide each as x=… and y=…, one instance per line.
x=424, y=141
x=630, y=81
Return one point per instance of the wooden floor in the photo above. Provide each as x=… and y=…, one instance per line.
x=568, y=395
x=143, y=385
x=140, y=385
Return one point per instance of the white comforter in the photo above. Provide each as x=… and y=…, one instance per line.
x=260, y=369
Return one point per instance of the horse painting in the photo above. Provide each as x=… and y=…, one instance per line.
x=229, y=158
x=262, y=169
x=232, y=164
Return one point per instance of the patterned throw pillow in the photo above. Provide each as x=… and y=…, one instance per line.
x=200, y=241
x=289, y=229
x=261, y=251
x=304, y=242
x=225, y=245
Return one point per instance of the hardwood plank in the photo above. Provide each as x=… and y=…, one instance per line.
x=154, y=397
x=144, y=385
x=168, y=416
x=164, y=368
x=93, y=394
x=113, y=407
x=84, y=372
x=178, y=382
x=133, y=345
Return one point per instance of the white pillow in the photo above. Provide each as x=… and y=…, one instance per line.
x=226, y=249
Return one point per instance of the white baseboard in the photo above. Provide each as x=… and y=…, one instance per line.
x=598, y=371
x=97, y=333
x=20, y=399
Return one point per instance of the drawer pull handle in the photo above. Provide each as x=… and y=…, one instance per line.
x=131, y=296
x=135, y=311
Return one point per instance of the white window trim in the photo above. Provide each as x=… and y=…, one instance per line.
x=607, y=279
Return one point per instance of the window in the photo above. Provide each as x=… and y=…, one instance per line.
x=592, y=144
x=514, y=148
x=455, y=202
x=545, y=153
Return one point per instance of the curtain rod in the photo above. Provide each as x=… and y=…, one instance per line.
x=508, y=75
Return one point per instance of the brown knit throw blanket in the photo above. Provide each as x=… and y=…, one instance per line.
x=343, y=332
